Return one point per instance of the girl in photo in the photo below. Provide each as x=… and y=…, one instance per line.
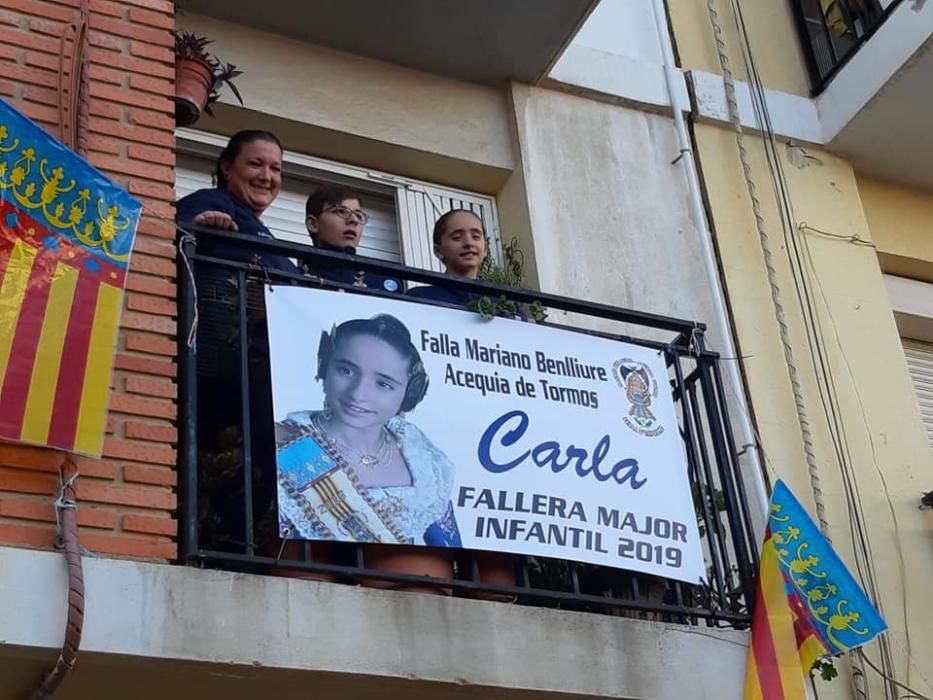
x=357, y=470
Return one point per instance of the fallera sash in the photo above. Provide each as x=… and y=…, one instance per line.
x=329, y=493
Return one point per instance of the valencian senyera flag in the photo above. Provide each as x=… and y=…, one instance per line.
x=66, y=233
x=807, y=605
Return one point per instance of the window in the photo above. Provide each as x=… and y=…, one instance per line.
x=402, y=211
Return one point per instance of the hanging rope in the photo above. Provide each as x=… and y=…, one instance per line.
x=802, y=418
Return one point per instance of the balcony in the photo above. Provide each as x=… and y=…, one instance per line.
x=831, y=31
x=870, y=68
x=220, y=525
x=489, y=41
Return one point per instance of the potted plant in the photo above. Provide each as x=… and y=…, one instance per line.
x=199, y=77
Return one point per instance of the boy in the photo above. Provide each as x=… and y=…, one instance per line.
x=335, y=220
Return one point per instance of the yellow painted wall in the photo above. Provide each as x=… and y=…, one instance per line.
x=772, y=35
x=901, y=223
x=889, y=452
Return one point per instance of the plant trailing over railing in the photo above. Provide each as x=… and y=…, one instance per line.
x=199, y=78
x=509, y=274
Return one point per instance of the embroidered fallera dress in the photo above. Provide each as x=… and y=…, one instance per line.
x=320, y=497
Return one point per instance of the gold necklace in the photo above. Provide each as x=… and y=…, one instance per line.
x=379, y=458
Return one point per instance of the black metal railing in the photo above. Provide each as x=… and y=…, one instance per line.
x=222, y=526
x=831, y=31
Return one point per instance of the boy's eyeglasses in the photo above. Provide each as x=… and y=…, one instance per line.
x=347, y=214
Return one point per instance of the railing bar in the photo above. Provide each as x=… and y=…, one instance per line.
x=245, y=424
x=694, y=468
x=261, y=561
x=720, y=539
x=736, y=466
x=373, y=265
x=188, y=401
x=746, y=576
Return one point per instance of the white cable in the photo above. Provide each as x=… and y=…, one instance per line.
x=698, y=214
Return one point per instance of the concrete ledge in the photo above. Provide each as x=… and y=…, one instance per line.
x=194, y=616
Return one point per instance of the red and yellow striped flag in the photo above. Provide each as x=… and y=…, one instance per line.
x=807, y=605
x=66, y=232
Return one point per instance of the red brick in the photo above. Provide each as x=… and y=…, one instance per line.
x=152, y=154
x=157, y=227
x=138, y=321
x=165, y=6
x=158, y=37
x=7, y=17
x=142, y=134
x=107, y=75
x=156, y=53
x=150, y=475
x=146, y=365
x=44, y=26
x=151, y=285
x=28, y=535
x=44, y=511
x=106, y=41
x=30, y=457
x=157, y=86
x=105, y=7
x=153, y=119
x=153, y=19
x=7, y=88
x=98, y=468
x=40, y=9
x=155, y=247
x=17, y=37
x=154, y=189
x=29, y=76
x=11, y=53
x=127, y=96
x=149, y=524
x=42, y=60
x=43, y=95
x=135, y=547
x=137, y=405
x=107, y=110
x=139, y=451
x=142, y=66
x=102, y=144
x=154, y=432
x=153, y=497
x=152, y=265
x=157, y=208
x=155, y=345
x=159, y=173
x=27, y=482
x=45, y=115
x=161, y=388
x=151, y=305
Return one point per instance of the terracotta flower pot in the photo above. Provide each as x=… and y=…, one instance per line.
x=193, y=80
x=418, y=561
x=294, y=550
x=495, y=568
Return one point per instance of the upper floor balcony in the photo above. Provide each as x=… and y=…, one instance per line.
x=871, y=69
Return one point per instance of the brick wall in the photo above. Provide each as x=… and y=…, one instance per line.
x=126, y=499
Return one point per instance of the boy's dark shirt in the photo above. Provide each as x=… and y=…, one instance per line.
x=348, y=274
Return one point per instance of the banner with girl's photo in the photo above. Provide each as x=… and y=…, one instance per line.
x=398, y=422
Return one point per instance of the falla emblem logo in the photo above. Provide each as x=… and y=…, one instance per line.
x=637, y=381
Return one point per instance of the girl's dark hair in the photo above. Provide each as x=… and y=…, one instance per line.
x=392, y=331
x=440, y=227
x=235, y=145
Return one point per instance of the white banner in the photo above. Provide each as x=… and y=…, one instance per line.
x=527, y=439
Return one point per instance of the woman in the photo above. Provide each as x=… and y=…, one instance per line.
x=249, y=176
x=357, y=470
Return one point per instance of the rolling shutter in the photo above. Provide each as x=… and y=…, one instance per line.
x=920, y=364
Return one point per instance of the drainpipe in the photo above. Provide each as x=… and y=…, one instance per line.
x=672, y=77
